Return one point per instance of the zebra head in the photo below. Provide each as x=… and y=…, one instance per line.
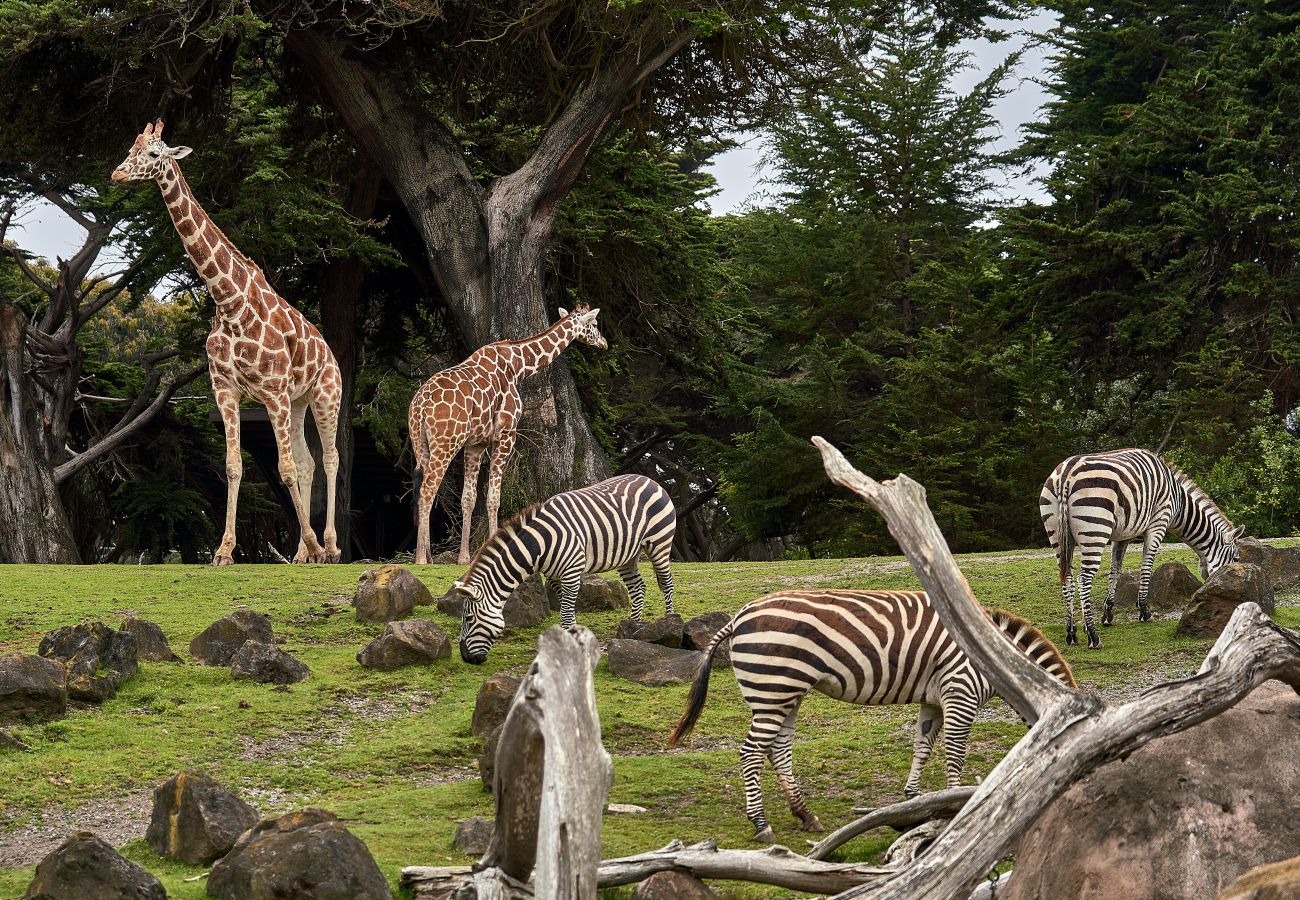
x=1222, y=551
x=481, y=622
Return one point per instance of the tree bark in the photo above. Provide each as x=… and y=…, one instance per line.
x=33, y=527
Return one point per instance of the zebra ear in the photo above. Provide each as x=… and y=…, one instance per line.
x=1238, y=531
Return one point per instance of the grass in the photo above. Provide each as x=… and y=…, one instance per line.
x=391, y=753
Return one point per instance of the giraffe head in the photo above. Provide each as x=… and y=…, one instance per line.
x=149, y=157
x=584, y=320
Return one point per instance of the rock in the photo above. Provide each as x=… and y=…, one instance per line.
x=9, y=742
x=1182, y=816
x=699, y=631
x=32, y=688
x=1281, y=565
x=1228, y=588
x=672, y=886
x=196, y=820
x=150, y=642
x=1275, y=881
x=666, y=632
x=487, y=760
x=473, y=835
x=267, y=664
x=389, y=593
x=652, y=664
x=493, y=702
x=525, y=607
x=594, y=595
x=446, y=558
x=216, y=645
x=1172, y=585
x=97, y=658
x=630, y=808
x=305, y=854
x=85, y=867
x=417, y=642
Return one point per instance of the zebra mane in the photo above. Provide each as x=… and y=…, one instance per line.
x=1034, y=644
x=1197, y=493
x=498, y=537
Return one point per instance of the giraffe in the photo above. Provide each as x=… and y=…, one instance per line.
x=260, y=347
x=474, y=405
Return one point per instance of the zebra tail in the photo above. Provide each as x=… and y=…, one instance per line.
x=1065, y=545
x=699, y=687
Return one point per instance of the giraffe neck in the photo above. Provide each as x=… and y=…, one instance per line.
x=536, y=353
x=217, y=260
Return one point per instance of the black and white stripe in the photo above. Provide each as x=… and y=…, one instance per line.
x=592, y=529
x=1114, y=498
x=874, y=648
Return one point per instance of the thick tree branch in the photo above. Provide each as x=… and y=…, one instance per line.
x=935, y=804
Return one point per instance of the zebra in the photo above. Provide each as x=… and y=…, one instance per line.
x=874, y=648
x=1114, y=498
x=592, y=529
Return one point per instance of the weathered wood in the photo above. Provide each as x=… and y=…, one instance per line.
x=1073, y=733
x=916, y=811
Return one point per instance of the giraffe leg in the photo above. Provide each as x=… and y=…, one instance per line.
x=281, y=416
x=631, y=575
x=228, y=403
x=781, y=753
x=496, y=470
x=928, y=726
x=431, y=479
x=468, y=496
x=325, y=412
x=306, y=467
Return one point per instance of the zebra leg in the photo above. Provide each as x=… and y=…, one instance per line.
x=570, y=584
x=928, y=725
x=781, y=754
x=631, y=575
x=663, y=574
x=763, y=728
x=958, y=714
x=1150, y=546
x=1117, y=551
x=1089, y=563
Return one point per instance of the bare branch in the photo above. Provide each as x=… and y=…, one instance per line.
x=897, y=815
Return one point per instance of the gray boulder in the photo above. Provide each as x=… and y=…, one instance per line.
x=389, y=593
x=525, y=607
x=196, y=820
x=150, y=642
x=1181, y=817
x=267, y=664
x=652, y=664
x=85, y=867
x=1212, y=605
x=1281, y=565
x=490, y=710
x=217, y=644
x=666, y=631
x=305, y=854
x=473, y=836
x=672, y=886
x=700, y=631
x=417, y=642
x=32, y=688
x=1172, y=585
x=595, y=594
x=97, y=658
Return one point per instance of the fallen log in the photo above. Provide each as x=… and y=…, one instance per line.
x=905, y=814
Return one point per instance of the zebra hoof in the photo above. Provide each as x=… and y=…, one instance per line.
x=1071, y=638
x=1094, y=643
x=766, y=836
x=813, y=824
x=1144, y=616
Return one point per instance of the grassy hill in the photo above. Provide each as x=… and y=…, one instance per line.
x=391, y=753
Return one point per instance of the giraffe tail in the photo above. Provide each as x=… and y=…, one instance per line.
x=700, y=687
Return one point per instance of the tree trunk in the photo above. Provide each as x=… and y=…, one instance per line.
x=33, y=527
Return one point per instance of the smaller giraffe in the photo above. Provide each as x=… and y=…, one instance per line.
x=260, y=347
x=476, y=405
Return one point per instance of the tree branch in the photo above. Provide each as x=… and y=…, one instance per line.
x=935, y=804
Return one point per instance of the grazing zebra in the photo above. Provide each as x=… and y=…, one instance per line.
x=1113, y=498
x=593, y=529
x=875, y=648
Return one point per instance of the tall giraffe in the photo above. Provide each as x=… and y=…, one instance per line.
x=474, y=405
x=260, y=347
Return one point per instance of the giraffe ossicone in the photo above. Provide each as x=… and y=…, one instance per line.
x=260, y=348
x=476, y=405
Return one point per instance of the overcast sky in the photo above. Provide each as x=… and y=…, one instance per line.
x=42, y=229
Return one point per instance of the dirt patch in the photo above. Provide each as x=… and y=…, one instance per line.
x=115, y=819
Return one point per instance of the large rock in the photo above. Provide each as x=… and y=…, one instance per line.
x=672, y=886
x=1281, y=565
x=97, y=658
x=490, y=710
x=306, y=854
x=32, y=688
x=525, y=607
x=666, y=631
x=417, y=642
x=84, y=867
x=474, y=835
x=1172, y=585
x=699, y=632
x=217, y=644
x=150, y=642
x=1218, y=598
x=196, y=820
x=594, y=595
x=267, y=664
x=389, y=593
x=652, y=664
x=1275, y=881
x=9, y=741
x=1181, y=817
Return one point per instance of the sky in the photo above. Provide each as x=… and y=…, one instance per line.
x=42, y=229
